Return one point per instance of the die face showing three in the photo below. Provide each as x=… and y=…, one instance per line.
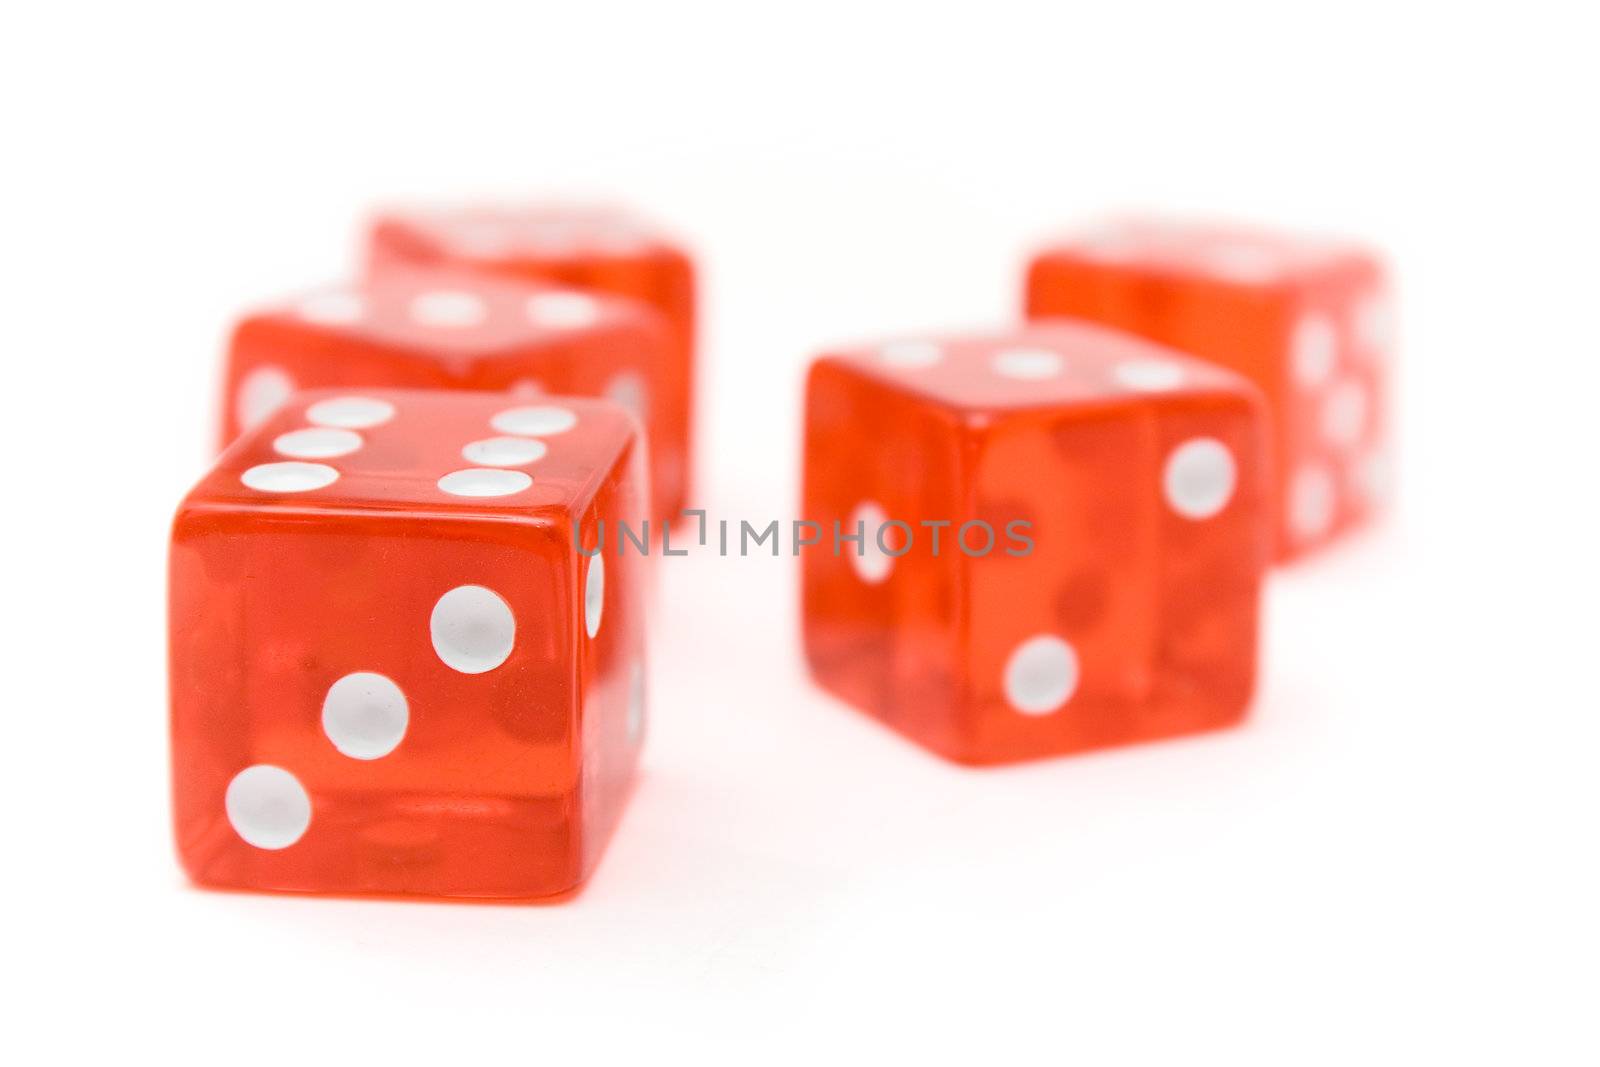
x=446, y=329
x=591, y=247
x=1309, y=322
x=395, y=671
x=1098, y=579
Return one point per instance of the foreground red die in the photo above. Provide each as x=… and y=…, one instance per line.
x=1065, y=529
x=592, y=247
x=1309, y=322
x=394, y=670
x=443, y=329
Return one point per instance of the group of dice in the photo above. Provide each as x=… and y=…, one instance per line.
x=407, y=627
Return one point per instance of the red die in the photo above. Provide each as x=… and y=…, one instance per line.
x=446, y=330
x=1309, y=322
x=594, y=247
x=394, y=669
x=1064, y=533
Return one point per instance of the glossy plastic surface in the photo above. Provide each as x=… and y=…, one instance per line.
x=446, y=700
x=594, y=247
x=1309, y=322
x=453, y=329
x=1127, y=620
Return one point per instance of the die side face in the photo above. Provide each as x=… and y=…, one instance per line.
x=1125, y=617
x=380, y=686
x=595, y=248
x=1309, y=322
x=888, y=646
x=447, y=329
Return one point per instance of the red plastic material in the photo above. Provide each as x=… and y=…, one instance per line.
x=393, y=669
x=1309, y=322
x=1097, y=579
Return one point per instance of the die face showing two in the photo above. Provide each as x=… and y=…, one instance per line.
x=1309, y=322
x=1098, y=579
x=590, y=247
x=444, y=329
x=394, y=670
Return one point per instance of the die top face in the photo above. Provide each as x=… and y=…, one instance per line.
x=509, y=232
x=1212, y=252
x=1043, y=367
x=444, y=314
x=445, y=454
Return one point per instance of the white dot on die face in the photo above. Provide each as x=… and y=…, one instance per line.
x=636, y=704
x=332, y=309
x=1375, y=324
x=365, y=715
x=482, y=481
x=910, y=353
x=540, y=420
x=1149, y=375
x=1344, y=414
x=473, y=629
x=872, y=565
x=1313, y=351
x=1311, y=501
x=448, y=309
x=594, y=595
x=350, y=412
x=563, y=310
x=1028, y=364
x=504, y=451
x=1041, y=675
x=1374, y=477
x=289, y=477
x=628, y=389
x=1199, y=478
x=261, y=392
x=267, y=806
x=318, y=443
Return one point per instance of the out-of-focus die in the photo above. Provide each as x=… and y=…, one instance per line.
x=395, y=667
x=450, y=329
x=1062, y=530
x=590, y=246
x=1310, y=322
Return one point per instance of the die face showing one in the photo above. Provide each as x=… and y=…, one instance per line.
x=1310, y=322
x=591, y=247
x=395, y=671
x=1098, y=581
x=444, y=329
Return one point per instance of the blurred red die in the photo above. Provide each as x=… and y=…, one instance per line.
x=449, y=329
x=1310, y=322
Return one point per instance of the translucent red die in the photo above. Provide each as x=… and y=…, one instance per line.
x=596, y=247
x=1062, y=532
x=394, y=669
x=1310, y=322
x=446, y=329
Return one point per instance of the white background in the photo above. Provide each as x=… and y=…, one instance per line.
x=1394, y=862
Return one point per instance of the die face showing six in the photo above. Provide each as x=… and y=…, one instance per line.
x=1309, y=322
x=589, y=247
x=446, y=329
x=1098, y=581
x=394, y=672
